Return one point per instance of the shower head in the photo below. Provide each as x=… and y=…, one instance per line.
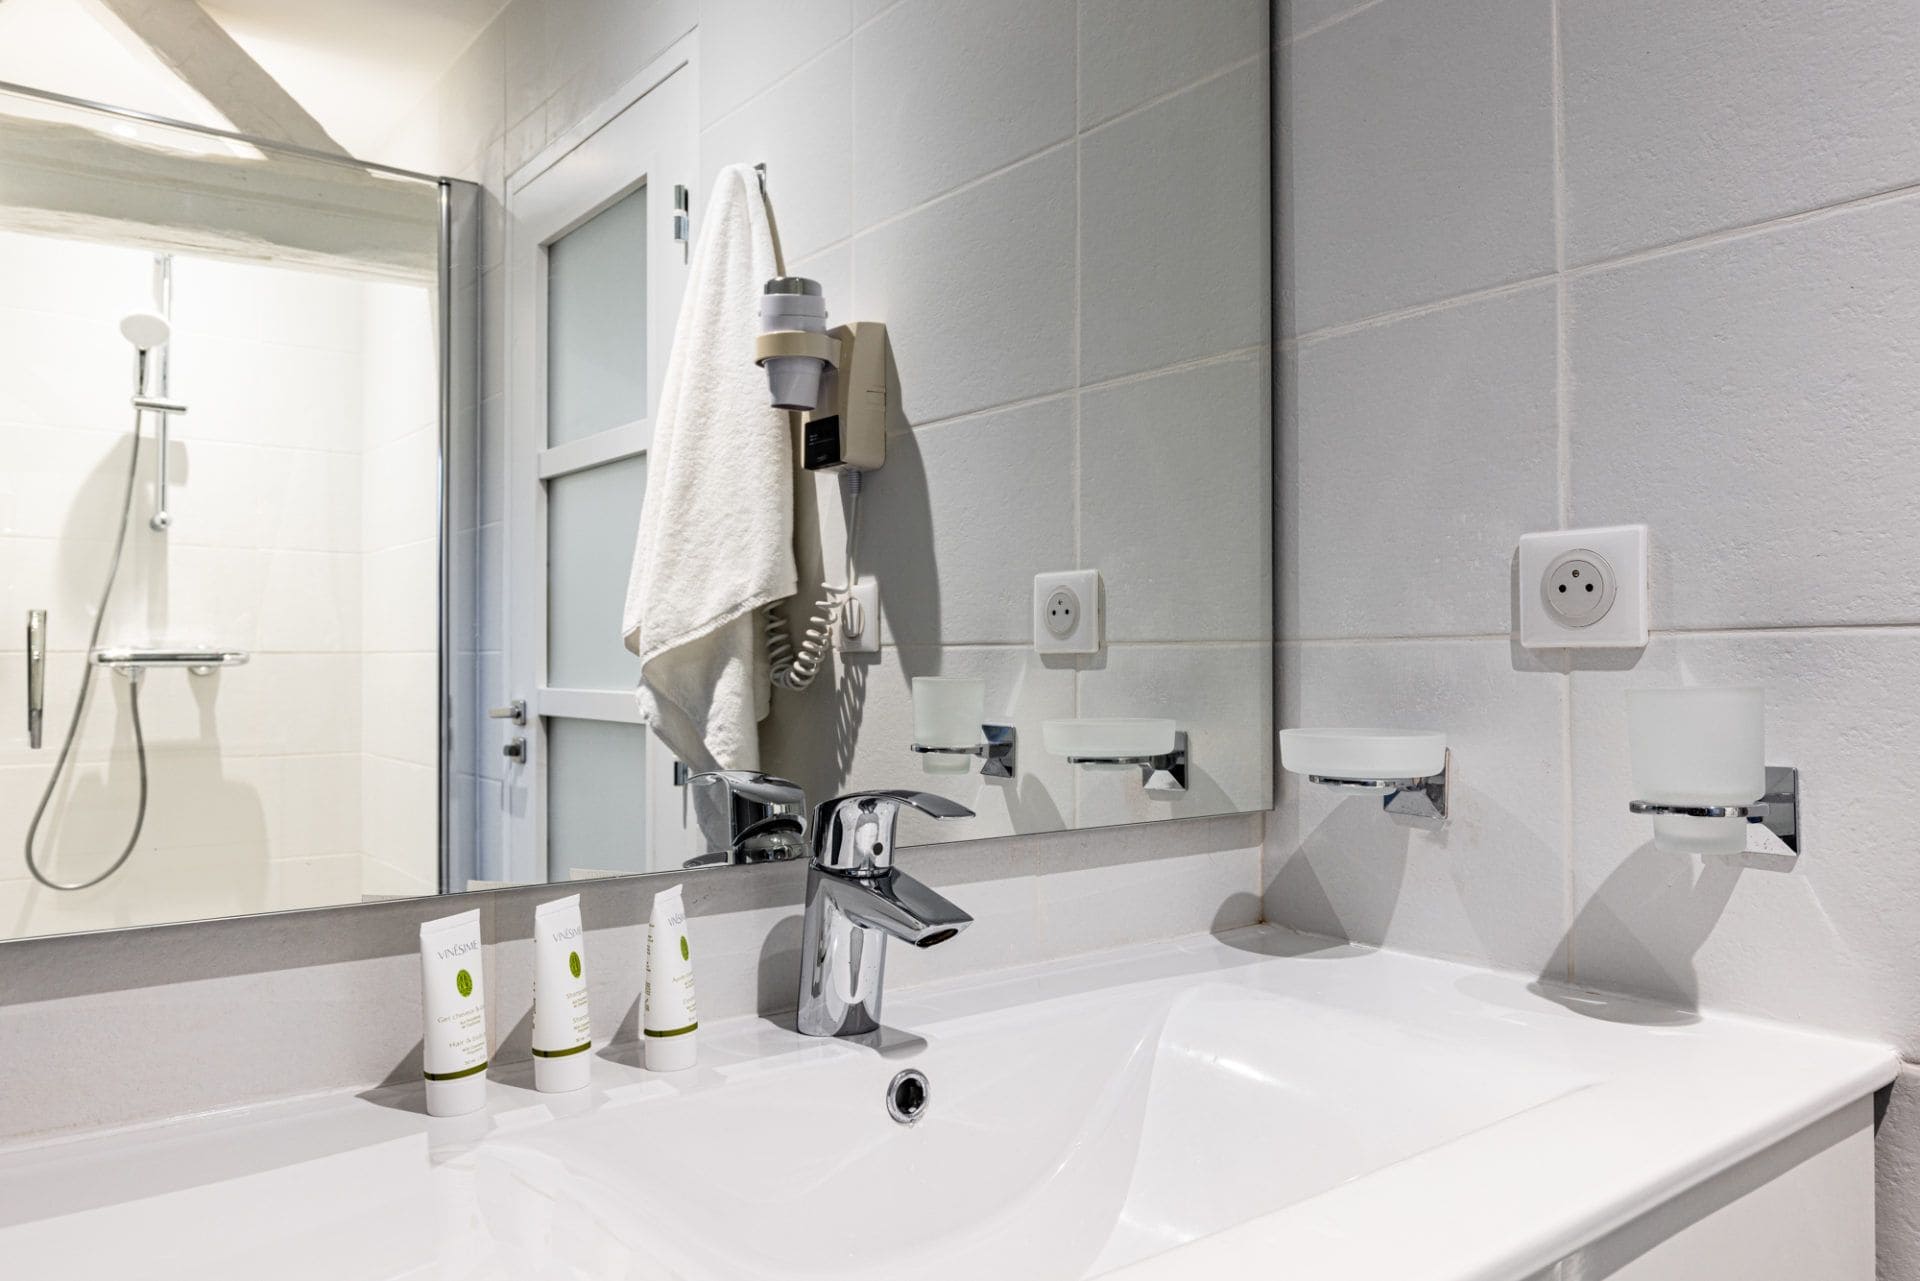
x=145, y=330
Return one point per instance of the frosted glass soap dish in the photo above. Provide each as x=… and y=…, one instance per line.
x=1411, y=767
x=1157, y=747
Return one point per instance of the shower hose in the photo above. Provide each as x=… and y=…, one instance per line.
x=80, y=706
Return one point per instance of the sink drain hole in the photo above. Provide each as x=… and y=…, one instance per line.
x=907, y=1096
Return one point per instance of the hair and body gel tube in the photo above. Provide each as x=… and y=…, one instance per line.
x=454, y=1051
x=668, y=1019
x=562, y=1030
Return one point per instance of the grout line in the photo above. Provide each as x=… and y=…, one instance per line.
x=1563, y=456
x=1637, y=257
x=1385, y=318
x=1327, y=23
x=1120, y=117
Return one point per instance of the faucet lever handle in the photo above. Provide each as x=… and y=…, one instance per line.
x=854, y=833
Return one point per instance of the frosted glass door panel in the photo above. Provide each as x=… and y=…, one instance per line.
x=592, y=518
x=596, y=797
x=597, y=322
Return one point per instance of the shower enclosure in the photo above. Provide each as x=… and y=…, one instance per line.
x=236, y=513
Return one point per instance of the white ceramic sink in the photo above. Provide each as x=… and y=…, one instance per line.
x=1060, y=1142
x=1262, y=1096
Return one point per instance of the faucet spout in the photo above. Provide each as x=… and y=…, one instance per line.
x=897, y=905
x=857, y=900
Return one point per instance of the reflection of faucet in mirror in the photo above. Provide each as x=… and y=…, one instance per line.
x=856, y=898
x=747, y=817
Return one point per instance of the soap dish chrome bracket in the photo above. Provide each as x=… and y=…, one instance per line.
x=1161, y=772
x=1407, y=797
x=996, y=750
x=1778, y=810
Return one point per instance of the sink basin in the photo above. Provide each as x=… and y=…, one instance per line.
x=1060, y=1144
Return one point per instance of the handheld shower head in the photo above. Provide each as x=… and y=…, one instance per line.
x=145, y=330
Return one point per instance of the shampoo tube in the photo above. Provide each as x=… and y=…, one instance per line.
x=668, y=1019
x=562, y=1030
x=453, y=991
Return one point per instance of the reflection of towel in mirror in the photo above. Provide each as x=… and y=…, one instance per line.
x=716, y=532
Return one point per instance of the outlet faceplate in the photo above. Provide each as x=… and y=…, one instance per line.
x=1066, y=612
x=860, y=619
x=1584, y=588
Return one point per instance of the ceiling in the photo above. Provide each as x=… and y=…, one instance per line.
x=355, y=66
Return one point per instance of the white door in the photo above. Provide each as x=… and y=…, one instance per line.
x=596, y=276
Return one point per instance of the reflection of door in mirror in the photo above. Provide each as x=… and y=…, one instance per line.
x=595, y=284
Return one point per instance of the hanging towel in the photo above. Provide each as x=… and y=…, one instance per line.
x=716, y=531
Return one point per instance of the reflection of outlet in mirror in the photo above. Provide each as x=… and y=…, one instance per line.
x=1584, y=588
x=860, y=619
x=1066, y=612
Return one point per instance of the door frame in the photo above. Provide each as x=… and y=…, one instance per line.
x=633, y=138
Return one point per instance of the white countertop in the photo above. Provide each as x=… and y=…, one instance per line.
x=1620, y=1105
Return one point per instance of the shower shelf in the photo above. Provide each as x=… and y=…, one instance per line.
x=200, y=662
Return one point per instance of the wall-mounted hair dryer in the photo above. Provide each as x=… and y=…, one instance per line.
x=837, y=377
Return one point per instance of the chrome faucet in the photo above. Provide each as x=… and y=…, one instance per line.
x=748, y=817
x=856, y=898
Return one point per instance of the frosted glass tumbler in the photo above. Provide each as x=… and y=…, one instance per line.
x=947, y=712
x=1700, y=746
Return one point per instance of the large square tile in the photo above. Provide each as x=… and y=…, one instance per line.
x=978, y=302
x=1487, y=885
x=1174, y=231
x=746, y=45
x=1413, y=455
x=1132, y=51
x=1417, y=157
x=802, y=130
x=962, y=517
x=1753, y=401
x=1683, y=119
x=1175, y=479
x=1221, y=695
x=945, y=91
x=1825, y=939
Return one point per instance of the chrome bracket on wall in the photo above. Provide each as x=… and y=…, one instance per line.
x=1407, y=797
x=682, y=220
x=996, y=749
x=1167, y=773
x=1778, y=810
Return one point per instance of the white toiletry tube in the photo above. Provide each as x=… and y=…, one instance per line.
x=562, y=1031
x=668, y=1021
x=454, y=1051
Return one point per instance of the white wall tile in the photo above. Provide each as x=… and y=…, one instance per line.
x=1788, y=360
x=1168, y=476
x=398, y=694
x=1413, y=456
x=1132, y=51
x=397, y=580
x=1174, y=235
x=1826, y=940
x=1021, y=690
x=1489, y=885
x=1416, y=157
x=1090, y=909
x=977, y=292
x=945, y=92
x=255, y=303
x=1689, y=118
x=1218, y=695
x=962, y=517
x=746, y=45
x=802, y=129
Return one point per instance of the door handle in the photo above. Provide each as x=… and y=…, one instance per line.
x=516, y=711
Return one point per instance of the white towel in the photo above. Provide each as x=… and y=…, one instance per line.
x=716, y=531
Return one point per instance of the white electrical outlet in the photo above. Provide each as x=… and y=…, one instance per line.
x=1066, y=612
x=860, y=619
x=1584, y=588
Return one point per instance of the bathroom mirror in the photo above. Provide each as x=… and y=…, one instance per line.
x=379, y=645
